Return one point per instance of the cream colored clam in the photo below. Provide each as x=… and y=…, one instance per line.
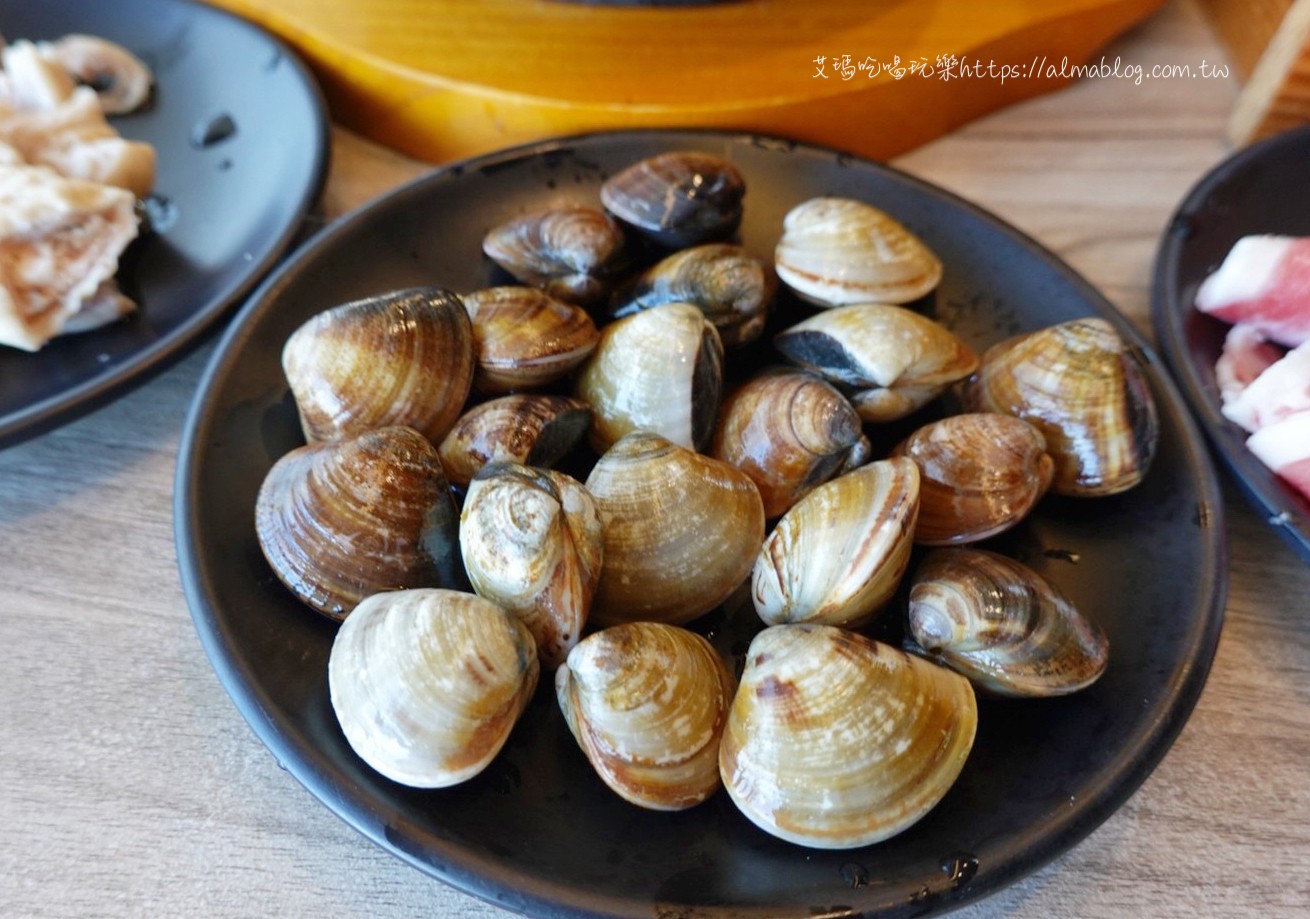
x=836, y=251
x=525, y=338
x=647, y=703
x=835, y=741
x=532, y=540
x=427, y=684
x=838, y=555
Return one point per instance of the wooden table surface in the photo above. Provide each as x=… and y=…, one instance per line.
x=130, y=786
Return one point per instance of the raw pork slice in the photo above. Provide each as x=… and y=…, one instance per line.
x=1282, y=389
x=1246, y=355
x=60, y=240
x=1265, y=282
x=1285, y=448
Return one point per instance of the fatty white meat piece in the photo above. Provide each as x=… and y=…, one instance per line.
x=1246, y=354
x=1264, y=282
x=1284, y=447
x=1282, y=389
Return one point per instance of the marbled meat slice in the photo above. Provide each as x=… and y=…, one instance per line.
x=1264, y=282
x=1284, y=447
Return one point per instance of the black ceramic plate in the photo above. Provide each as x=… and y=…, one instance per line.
x=1265, y=188
x=538, y=832
x=241, y=137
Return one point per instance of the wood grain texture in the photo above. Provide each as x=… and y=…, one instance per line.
x=131, y=786
x=1277, y=94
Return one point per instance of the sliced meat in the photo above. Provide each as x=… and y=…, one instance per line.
x=1264, y=282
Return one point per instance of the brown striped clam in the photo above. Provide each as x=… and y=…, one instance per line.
x=341, y=520
x=889, y=360
x=658, y=370
x=677, y=199
x=647, y=703
x=427, y=684
x=835, y=741
x=790, y=431
x=1077, y=383
x=681, y=531
x=838, y=555
x=535, y=429
x=980, y=473
x=572, y=252
x=401, y=358
x=838, y=251
x=1002, y=625
x=525, y=338
x=531, y=540
x=732, y=287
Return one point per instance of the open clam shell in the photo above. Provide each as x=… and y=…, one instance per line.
x=400, y=358
x=647, y=703
x=535, y=429
x=1077, y=383
x=681, y=531
x=525, y=338
x=1002, y=625
x=677, y=199
x=341, y=520
x=428, y=684
x=838, y=555
x=531, y=540
x=571, y=252
x=836, y=741
x=836, y=251
x=890, y=361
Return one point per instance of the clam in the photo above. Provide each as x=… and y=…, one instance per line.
x=838, y=251
x=681, y=531
x=531, y=541
x=525, y=338
x=535, y=429
x=427, y=684
x=571, y=252
x=659, y=370
x=789, y=431
x=401, y=358
x=835, y=741
x=1002, y=625
x=1077, y=383
x=980, y=473
x=838, y=555
x=677, y=199
x=732, y=287
x=647, y=703
x=341, y=520
x=889, y=360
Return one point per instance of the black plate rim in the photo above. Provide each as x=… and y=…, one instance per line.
x=1283, y=510
x=100, y=389
x=494, y=882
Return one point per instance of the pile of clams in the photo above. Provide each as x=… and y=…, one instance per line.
x=568, y=470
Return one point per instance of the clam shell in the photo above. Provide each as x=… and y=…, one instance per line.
x=681, y=531
x=341, y=520
x=531, y=540
x=836, y=251
x=427, y=684
x=1076, y=383
x=789, y=431
x=401, y=358
x=980, y=473
x=732, y=287
x=890, y=361
x=526, y=338
x=571, y=252
x=838, y=555
x=535, y=429
x=677, y=199
x=659, y=370
x=647, y=703
x=1002, y=625
x=835, y=741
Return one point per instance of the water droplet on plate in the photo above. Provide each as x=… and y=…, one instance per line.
x=855, y=876
x=960, y=867
x=160, y=212
x=214, y=131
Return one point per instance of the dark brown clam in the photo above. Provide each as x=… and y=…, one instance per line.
x=341, y=520
x=677, y=199
x=525, y=338
x=534, y=429
x=400, y=358
x=571, y=252
x=790, y=431
x=980, y=473
x=732, y=288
